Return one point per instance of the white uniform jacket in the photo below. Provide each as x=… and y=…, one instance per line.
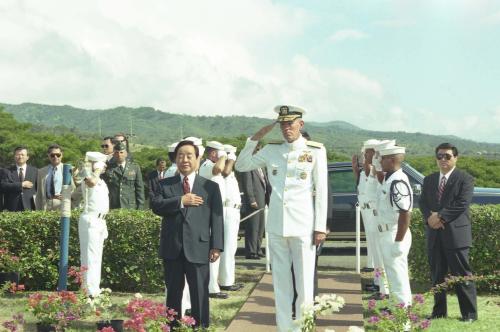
x=395, y=195
x=296, y=171
x=206, y=172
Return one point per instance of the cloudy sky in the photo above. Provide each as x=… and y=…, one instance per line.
x=431, y=66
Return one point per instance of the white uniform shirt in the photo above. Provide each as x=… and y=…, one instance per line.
x=206, y=172
x=402, y=198
x=233, y=194
x=95, y=199
x=295, y=170
x=171, y=171
x=367, y=188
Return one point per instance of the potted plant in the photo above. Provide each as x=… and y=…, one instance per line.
x=54, y=310
x=105, y=310
x=9, y=267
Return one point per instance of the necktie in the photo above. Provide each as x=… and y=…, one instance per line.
x=442, y=183
x=161, y=175
x=21, y=175
x=52, y=185
x=185, y=185
x=122, y=168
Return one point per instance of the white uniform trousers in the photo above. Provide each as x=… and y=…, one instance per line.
x=227, y=261
x=213, y=283
x=396, y=268
x=302, y=253
x=373, y=247
x=92, y=231
x=370, y=260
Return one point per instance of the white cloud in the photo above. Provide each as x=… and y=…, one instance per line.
x=493, y=18
x=347, y=34
x=395, y=23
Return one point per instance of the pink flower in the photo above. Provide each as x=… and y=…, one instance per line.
x=425, y=324
x=419, y=298
x=413, y=317
x=188, y=320
x=107, y=329
x=373, y=320
x=372, y=304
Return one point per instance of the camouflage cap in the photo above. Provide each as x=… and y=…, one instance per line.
x=120, y=146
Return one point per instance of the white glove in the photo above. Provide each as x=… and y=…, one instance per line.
x=376, y=163
x=221, y=153
x=231, y=156
x=397, y=249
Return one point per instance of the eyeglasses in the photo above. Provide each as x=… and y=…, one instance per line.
x=58, y=155
x=446, y=156
x=104, y=146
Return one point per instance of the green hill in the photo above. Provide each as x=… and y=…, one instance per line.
x=152, y=127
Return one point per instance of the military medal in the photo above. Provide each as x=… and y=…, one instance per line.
x=275, y=171
x=309, y=158
x=303, y=175
x=302, y=158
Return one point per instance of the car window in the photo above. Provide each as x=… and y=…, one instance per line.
x=341, y=181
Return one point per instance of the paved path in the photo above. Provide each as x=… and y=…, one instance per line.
x=257, y=314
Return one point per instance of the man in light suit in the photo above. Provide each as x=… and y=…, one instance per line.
x=296, y=169
x=18, y=182
x=49, y=182
x=445, y=201
x=256, y=191
x=192, y=231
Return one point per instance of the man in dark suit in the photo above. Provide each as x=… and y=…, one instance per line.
x=445, y=200
x=156, y=175
x=256, y=192
x=19, y=183
x=192, y=231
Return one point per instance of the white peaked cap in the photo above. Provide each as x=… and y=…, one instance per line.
x=229, y=148
x=385, y=144
x=392, y=150
x=95, y=156
x=370, y=144
x=215, y=145
x=196, y=141
x=171, y=147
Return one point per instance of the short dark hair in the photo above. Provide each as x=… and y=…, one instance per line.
x=53, y=147
x=171, y=157
x=21, y=147
x=209, y=149
x=447, y=146
x=183, y=143
x=111, y=138
x=159, y=160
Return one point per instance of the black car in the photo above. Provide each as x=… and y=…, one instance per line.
x=342, y=184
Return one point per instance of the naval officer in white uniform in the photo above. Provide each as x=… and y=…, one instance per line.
x=297, y=169
x=92, y=228
x=394, y=207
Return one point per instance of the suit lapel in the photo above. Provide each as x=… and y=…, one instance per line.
x=196, y=190
x=433, y=186
x=178, y=191
x=15, y=175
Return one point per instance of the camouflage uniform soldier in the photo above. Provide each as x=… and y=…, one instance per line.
x=124, y=180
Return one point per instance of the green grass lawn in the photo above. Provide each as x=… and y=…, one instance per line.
x=221, y=311
x=488, y=311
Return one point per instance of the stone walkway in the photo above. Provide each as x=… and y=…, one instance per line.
x=257, y=314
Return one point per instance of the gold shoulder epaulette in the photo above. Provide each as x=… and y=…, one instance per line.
x=314, y=144
x=276, y=142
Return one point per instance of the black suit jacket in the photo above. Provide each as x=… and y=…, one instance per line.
x=153, y=183
x=1, y=190
x=254, y=190
x=14, y=193
x=453, y=209
x=195, y=230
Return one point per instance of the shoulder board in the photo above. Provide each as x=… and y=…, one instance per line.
x=276, y=142
x=314, y=144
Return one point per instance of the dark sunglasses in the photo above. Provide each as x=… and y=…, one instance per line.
x=446, y=156
x=104, y=145
x=58, y=155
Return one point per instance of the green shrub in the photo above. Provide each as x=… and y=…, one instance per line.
x=130, y=259
x=484, y=256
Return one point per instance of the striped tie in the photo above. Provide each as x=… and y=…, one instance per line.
x=442, y=183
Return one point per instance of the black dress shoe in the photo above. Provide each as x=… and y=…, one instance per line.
x=431, y=317
x=252, y=256
x=231, y=288
x=187, y=312
x=468, y=319
x=367, y=269
x=372, y=288
x=219, y=295
x=261, y=255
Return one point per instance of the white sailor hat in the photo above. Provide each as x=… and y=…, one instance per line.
x=171, y=147
x=229, y=148
x=196, y=141
x=288, y=112
x=385, y=144
x=95, y=156
x=215, y=145
x=392, y=150
x=370, y=144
